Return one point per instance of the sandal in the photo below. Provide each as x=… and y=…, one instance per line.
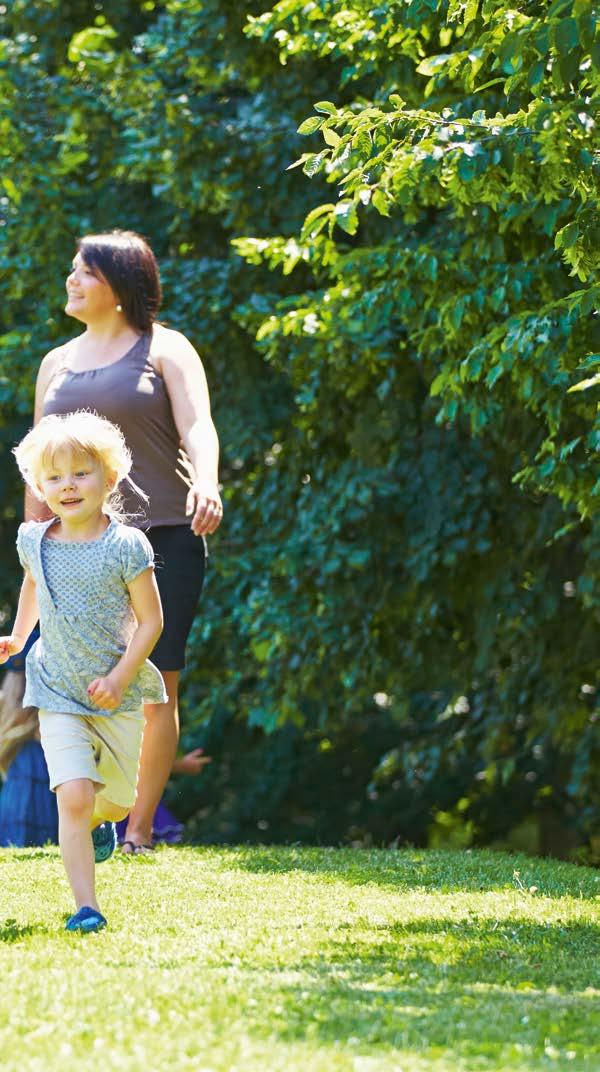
x=136, y=850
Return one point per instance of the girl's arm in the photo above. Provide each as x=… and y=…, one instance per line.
x=107, y=692
x=26, y=619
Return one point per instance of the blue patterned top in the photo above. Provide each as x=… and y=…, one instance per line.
x=86, y=618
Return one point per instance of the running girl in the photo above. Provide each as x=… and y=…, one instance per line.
x=89, y=578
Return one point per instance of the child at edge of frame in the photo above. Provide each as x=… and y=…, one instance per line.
x=28, y=814
x=89, y=580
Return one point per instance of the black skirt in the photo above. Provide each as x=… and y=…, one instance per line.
x=180, y=563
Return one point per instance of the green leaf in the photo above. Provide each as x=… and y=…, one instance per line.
x=92, y=42
x=315, y=213
x=325, y=106
x=471, y=7
x=11, y=189
x=567, y=236
x=315, y=162
x=584, y=385
x=536, y=74
x=315, y=221
x=309, y=126
x=300, y=161
x=346, y=216
x=433, y=64
x=361, y=142
x=381, y=202
x=331, y=137
x=439, y=382
x=566, y=36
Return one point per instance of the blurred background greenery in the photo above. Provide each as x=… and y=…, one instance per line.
x=398, y=638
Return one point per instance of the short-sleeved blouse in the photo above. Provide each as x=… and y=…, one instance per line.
x=86, y=618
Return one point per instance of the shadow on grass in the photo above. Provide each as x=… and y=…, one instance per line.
x=24, y=855
x=564, y=956
x=460, y=1022
x=442, y=872
x=11, y=931
x=514, y=998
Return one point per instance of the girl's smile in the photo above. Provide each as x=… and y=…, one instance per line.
x=75, y=487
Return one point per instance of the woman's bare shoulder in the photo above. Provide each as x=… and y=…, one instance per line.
x=49, y=365
x=169, y=339
x=170, y=345
x=53, y=357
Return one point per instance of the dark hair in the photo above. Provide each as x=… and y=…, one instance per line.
x=129, y=266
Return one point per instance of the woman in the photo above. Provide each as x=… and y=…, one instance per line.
x=150, y=381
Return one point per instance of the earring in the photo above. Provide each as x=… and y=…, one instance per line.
x=119, y=308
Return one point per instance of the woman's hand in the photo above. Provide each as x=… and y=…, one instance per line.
x=191, y=763
x=204, y=506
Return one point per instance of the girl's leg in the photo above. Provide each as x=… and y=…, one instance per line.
x=159, y=748
x=75, y=809
x=107, y=812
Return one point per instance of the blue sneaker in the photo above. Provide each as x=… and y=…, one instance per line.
x=104, y=838
x=86, y=920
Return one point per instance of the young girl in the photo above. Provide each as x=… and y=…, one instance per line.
x=89, y=578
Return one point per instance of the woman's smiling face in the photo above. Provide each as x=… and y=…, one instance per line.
x=89, y=296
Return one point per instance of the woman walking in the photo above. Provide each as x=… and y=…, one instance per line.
x=148, y=380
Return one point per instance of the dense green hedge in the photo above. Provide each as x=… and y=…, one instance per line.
x=403, y=596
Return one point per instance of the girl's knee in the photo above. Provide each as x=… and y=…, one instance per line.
x=76, y=797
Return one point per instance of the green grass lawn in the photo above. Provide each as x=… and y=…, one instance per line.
x=316, y=960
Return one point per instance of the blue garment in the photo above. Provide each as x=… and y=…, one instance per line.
x=17, y=662
x=86, y=618
x=28, y=812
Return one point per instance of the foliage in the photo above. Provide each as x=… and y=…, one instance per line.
x=449, y=323
x=404, y=378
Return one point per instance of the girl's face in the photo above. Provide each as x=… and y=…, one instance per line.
x=89, y=297
x=75, y=486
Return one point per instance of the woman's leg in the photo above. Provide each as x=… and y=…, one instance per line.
x=75, y=809
x=159, y=748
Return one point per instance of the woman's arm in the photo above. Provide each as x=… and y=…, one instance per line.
x=183, y=373
x=26, y=618
x=107, y=692
x=34, y=510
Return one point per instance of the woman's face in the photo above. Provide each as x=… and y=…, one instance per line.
x=89, y=297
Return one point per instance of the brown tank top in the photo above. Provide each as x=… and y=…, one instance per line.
x=130, y=393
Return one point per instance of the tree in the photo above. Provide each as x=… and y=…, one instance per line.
x=451, y=308
x=411, y=546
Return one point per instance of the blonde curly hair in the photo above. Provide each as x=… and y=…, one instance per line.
x=82, y=431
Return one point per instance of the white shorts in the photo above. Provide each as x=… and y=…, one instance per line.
x=104, y=748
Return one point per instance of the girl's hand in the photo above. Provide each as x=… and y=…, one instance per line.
x=105, y=693
x=204, y=506
x=10, y=645
x=192, y=763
